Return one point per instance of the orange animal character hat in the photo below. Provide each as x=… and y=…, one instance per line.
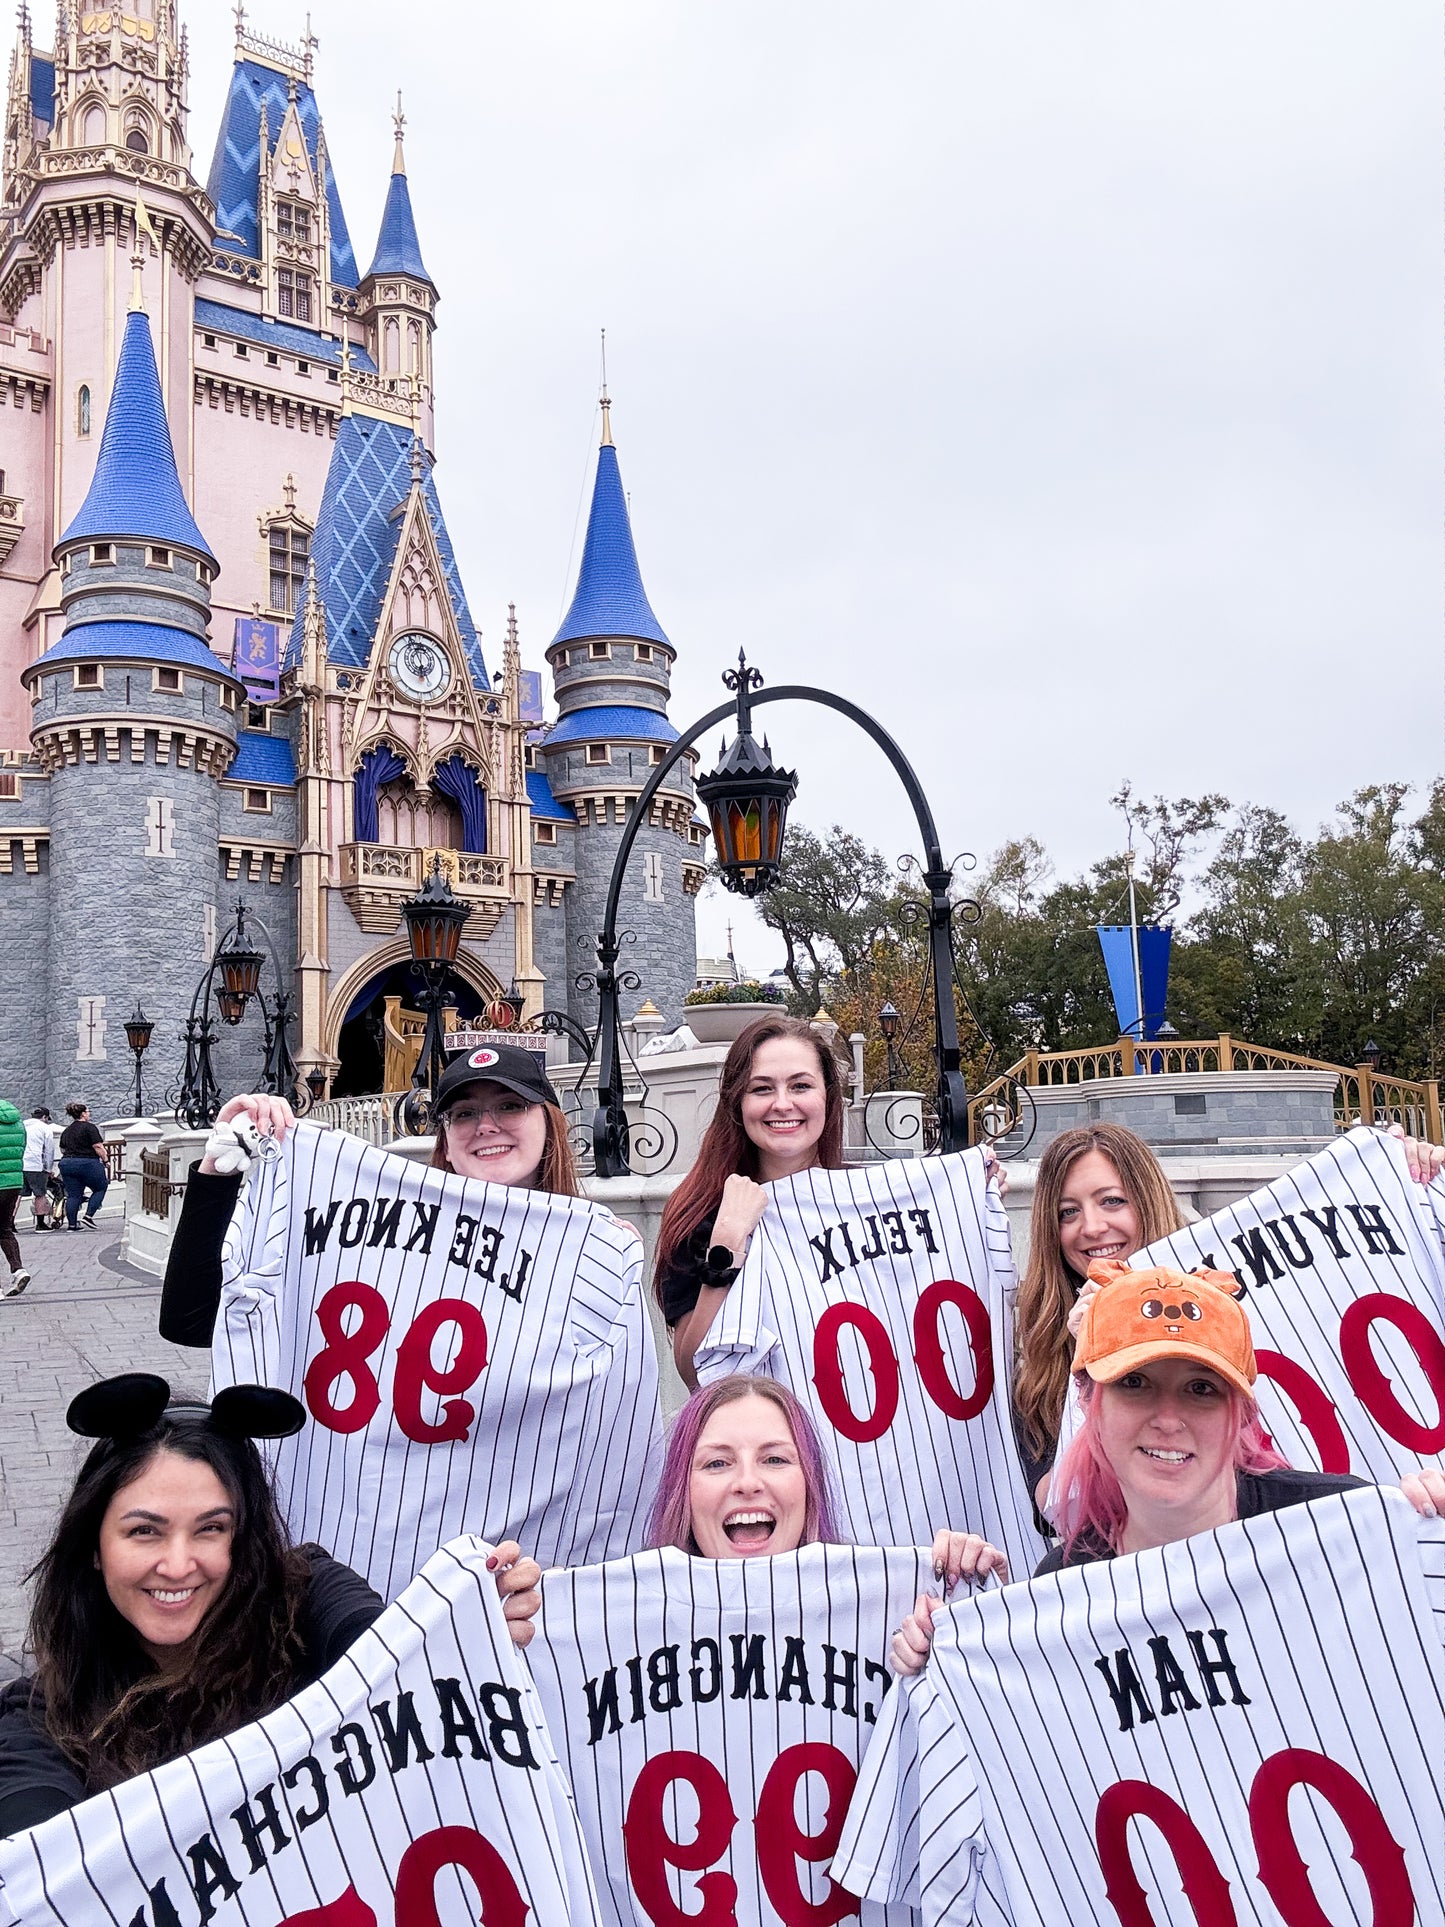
x=1136, y=1317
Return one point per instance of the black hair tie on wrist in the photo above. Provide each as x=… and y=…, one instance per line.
x=134, y=1402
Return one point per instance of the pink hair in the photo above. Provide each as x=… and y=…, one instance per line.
x=1091, y=1505
x=671, y=1520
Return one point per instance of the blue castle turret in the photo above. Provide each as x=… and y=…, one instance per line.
x=134, y=721
x=611, y=664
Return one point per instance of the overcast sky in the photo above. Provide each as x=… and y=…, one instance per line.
x=1061, y=379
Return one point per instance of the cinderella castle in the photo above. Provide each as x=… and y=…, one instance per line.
x=237, y=659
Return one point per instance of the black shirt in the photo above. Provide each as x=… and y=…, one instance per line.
x=37, y=1781
x=191, y=1293
x=78, y=1140
x=1255, y=1493
x=680, y=1281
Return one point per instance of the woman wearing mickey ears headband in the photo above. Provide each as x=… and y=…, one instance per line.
x=170, y=1607
x=498, y=1118
x=1171, y=1442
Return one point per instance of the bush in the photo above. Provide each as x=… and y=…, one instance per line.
x=750, y=993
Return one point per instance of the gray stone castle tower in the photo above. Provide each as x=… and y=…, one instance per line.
x=611, y=665
x=133, y=721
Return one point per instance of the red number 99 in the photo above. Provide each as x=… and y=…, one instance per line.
x=651, y=1849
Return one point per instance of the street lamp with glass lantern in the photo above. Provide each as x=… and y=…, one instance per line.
x=234, y=974
x=434, y=923
x=138, y=1036
x=888, y=1020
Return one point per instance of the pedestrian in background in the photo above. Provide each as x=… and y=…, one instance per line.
x=12, y=1186
x=81, y=1168
x=41, y=1153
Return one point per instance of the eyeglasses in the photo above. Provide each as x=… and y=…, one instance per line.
x=466, y=1117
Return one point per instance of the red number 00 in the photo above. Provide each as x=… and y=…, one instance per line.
x=781, y=1842
x=928, y=1357
x=1282, y=1870
x=1368, y=1381
x=349, y=1354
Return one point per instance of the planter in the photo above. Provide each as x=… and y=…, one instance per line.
x=721, y=1023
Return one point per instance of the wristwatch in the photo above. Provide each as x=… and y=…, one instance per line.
x=721, y=1266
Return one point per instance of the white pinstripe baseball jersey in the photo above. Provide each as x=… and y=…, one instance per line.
x=1343, y=1267
x=418, y=1758
x=1242, y=1729
x=711, y=1715
x=882, y=1296
x=473, y=1358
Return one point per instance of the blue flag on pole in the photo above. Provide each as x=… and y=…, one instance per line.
x=1116, y=944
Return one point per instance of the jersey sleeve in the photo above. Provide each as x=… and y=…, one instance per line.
x=607, y=1282
x=914, y=1831
x=741, y=1337
x=246, y=1345
x=1432, y=1567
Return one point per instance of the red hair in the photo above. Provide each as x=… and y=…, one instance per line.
x=726, y=1146
x=1091, y=1506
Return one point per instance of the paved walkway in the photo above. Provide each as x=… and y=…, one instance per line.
x=86, y=1315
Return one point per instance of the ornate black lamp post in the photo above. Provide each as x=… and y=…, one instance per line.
x=888, y=1019
x=747, y=799
x=434, y=923
x=234, y=973
x=138, y=1036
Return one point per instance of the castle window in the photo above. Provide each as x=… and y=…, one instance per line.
x=529, y=756
x=135, y=140
x=258, y=716
x=167, y=679
x=101, y=552
x=303, y=367
x=656, y=754
x=643, y=652
x=208, y=341
x=333, y=374
x=293, y=223
x=599, y=753
x=158, y=558
x=601, y=652
x=546, y=832
x=272, y=360
x=293, y=294
x=258, y=802
x=88, y=676
x=92, y=126
x=9, y=785
x=228, y=696
x=241, y=351
x=290, y=547
x=391, y=347
x=82, y=411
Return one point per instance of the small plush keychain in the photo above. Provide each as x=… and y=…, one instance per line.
x=231, y=1146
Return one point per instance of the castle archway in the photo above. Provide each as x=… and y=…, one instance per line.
x=355, y=1027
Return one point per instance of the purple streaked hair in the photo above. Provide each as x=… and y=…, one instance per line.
x=671, y=1520
x=1092, y=1504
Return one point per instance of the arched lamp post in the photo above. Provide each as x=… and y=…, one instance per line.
x=888, y=1021
x=138, y=1036
x=235, y=974
x=747, y=798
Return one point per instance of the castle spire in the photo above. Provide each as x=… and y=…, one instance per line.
x=136, y=490
x=609, y=599
x=397, y=249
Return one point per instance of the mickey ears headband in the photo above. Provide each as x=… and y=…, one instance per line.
x=124, y=1407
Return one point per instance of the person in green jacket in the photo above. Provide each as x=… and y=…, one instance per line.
x=12, y=1186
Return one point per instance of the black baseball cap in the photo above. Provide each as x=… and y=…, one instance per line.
x=519, y=1071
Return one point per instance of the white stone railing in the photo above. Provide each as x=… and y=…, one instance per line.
x=370, y=1117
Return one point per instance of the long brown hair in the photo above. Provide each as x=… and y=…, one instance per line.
x=727, y=1148
x=103, y=1702
x=557, y=1172
x=1043, y=1349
